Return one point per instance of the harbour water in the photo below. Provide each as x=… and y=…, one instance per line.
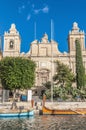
x=45, y=122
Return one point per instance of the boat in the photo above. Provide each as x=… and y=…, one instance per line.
x=16, y=113
x=78, y=111
x=61, y=111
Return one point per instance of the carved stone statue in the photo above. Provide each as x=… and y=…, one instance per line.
x=45, y=38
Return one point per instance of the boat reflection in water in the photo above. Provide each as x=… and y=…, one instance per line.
x=45, y=122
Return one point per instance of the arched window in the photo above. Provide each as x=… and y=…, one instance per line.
x=11, y=44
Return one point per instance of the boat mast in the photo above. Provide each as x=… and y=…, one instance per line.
x=52, y=37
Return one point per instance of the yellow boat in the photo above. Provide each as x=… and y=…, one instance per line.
x=70, y=111
x=80, y=111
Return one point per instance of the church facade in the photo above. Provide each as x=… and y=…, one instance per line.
x=45, y=52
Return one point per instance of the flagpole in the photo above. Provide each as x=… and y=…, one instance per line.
x=35, y=31
x=52, y=37
x=0, y=43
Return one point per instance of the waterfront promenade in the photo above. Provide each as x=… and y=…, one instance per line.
x=37, y=106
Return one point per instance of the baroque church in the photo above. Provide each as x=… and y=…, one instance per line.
x=45, y=52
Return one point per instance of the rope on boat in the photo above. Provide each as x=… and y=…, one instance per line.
x=80, y=113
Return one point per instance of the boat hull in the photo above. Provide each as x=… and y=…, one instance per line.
x=17, y=114
x=63, y=111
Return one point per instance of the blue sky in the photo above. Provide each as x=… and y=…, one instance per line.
x=24, y=13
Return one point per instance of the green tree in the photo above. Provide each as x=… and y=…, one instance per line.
x=47, y=85
x=80, y=71
x=63, y=75
x=63, y=80
x=17, y=73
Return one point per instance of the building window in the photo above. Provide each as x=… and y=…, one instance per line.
x=11, y=44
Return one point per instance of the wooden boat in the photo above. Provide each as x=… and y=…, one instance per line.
x=80, y=111
x=70, y=111
x=16, y=113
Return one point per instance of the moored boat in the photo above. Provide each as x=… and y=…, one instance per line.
x=16, y=113
x=51, y=110
x=80, y=111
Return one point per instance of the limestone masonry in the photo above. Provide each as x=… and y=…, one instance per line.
x=45, y=52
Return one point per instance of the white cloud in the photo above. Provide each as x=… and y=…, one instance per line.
x=33, y=10
x=45, y=9
x=20, y=9
x=36, y=11
x=28, y=17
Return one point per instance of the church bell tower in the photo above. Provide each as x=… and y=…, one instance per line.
x=12, y=42
x=74, y=34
